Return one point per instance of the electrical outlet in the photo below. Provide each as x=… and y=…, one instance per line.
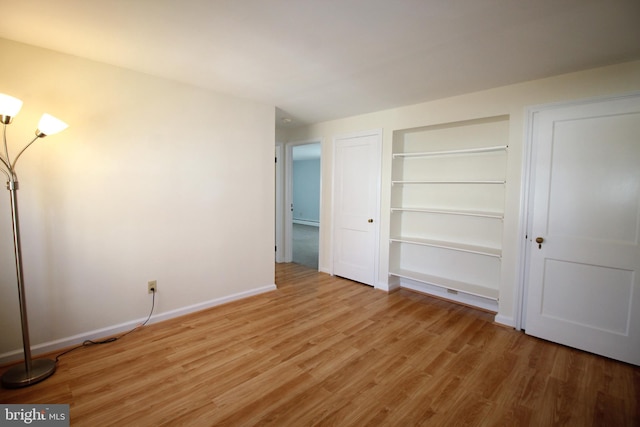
x=152, y=286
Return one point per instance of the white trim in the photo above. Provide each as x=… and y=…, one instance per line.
x=47, y=347
x=279, y=243
x=504, y=320
x=288, y=200
x=460, y=297
x=519, y=311
x=383, y=286
x=306, y=222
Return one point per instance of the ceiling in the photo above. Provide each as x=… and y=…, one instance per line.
x=317, y=60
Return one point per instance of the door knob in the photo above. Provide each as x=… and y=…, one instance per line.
x=539, y=241
x=370, y=220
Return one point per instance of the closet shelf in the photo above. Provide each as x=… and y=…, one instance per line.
x=495, y=215
x=454, y=246
x=467, y=288
x=448, y=182
x=451, y=152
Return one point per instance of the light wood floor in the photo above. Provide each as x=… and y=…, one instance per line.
x=326, y=351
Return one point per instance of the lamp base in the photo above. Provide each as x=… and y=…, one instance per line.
x=17, y=377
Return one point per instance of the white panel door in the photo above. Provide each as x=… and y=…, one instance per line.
x=356, y=196
x=583, y=281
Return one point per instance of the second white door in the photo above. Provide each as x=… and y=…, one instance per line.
x=584, y=250
x=357, y=160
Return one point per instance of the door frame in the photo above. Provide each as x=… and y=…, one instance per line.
x=279, y=204
x=526, y=201
x=376, y=215
x=288, y=215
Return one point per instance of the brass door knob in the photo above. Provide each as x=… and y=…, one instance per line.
x=370, y=220
x=539, y=241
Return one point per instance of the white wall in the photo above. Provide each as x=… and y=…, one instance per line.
x=146, y=183
x=511, y=100
x=306, y=190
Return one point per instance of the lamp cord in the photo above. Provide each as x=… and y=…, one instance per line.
x=88, y=343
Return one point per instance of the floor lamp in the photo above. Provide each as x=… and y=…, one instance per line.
x=32, y=371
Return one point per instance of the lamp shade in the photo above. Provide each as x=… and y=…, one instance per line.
x=9, y=107
x=48, y=125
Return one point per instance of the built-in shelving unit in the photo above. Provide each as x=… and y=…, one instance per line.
x=447, y=208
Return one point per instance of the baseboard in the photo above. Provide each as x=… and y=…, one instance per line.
x=306, y=222
x=387, y=287
x=461, y=298
x=325, y=270
x=505, y=320
x=47, y=347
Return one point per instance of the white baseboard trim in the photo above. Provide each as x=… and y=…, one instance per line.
x=47, y=347
x=460, y=297
x=306, y=222
x=387, y=287
x=393, y=284
x=505, y=320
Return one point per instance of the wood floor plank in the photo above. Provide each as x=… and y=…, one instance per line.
x=321, y=350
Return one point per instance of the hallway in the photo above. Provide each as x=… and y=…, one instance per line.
x=305, y=245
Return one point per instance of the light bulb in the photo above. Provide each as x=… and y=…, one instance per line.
x=9, y=107
x=48, y=125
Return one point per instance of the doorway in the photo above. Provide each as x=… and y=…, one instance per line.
x=303, y=201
